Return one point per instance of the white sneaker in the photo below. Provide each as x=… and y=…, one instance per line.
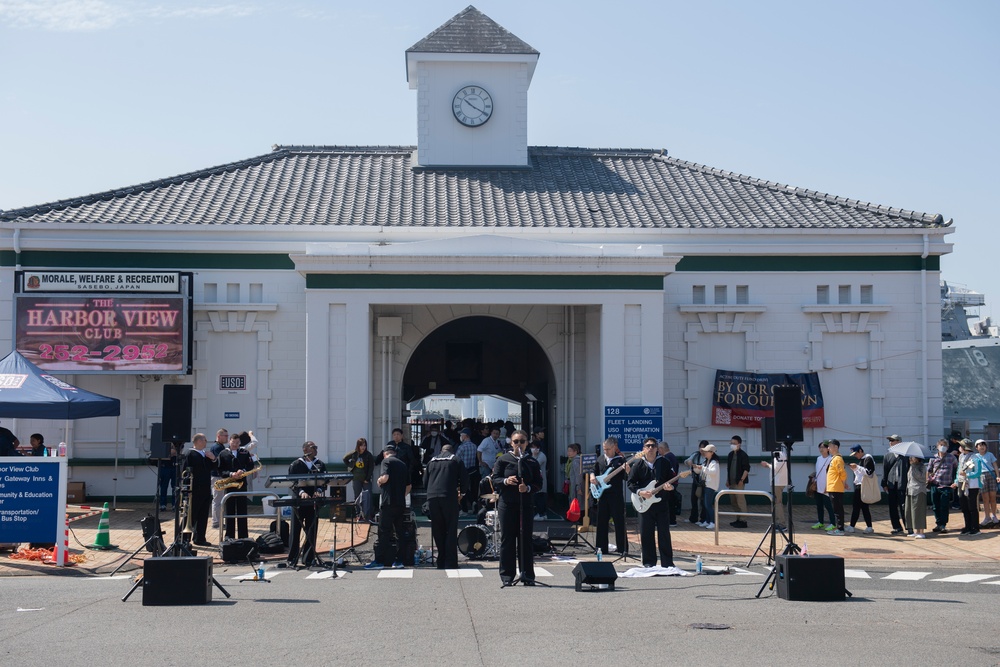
x=869, y=530
x=912, y=535
x=919, y=536
x=701, y=524
x=710, y=526
x=849, y=529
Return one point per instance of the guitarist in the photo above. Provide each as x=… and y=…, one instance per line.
x=654, y=523
x=612, y=502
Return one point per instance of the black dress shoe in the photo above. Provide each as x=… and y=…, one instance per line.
x=203, y=543
x=528, y=582
x=506, y=581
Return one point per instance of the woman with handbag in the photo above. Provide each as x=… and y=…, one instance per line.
x=967, y=481
x=865, y=483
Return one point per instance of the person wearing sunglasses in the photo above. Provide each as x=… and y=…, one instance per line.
x=517, y=478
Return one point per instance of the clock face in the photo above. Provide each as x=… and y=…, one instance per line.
x=472, y=106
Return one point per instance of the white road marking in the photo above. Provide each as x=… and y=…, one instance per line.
x=966, y=578
x=856, y=574
x=395, y=574
x=327, y=574
x=907, y=576
x=542, y=572
x=114, y=578
x=465, y=573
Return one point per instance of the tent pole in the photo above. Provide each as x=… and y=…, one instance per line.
x=114, y=488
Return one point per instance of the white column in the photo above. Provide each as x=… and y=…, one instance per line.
x=317, y=370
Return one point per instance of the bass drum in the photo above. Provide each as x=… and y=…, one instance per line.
x=473, y=541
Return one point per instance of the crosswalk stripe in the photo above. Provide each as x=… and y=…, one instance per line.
x=907, y=576
x=966, y=578
x=542, y=572
x=856, y=574
x=326, y=574
x=395, y=574
x=465, y=573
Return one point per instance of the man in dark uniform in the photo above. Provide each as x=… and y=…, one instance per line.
x=517, y=477
x=201, y=463
x=895, y=472
x=654, y=523
x=612, y=502
x=304, y=516
x=234, y=463
x=394, y=479
x=447, y=482
x=8, y=443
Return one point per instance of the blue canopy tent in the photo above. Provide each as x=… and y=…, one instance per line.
x=26, y=392
x=29, y=393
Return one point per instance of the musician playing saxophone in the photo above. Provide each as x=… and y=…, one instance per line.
x=611, y=504
x=200, y=462
x=304, y=516
x=654, y=523
x=234, y=465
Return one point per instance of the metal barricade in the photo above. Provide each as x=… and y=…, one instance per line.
x=232, y=494
x=738, y=492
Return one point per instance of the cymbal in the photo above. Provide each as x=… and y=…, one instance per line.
x=490, y=496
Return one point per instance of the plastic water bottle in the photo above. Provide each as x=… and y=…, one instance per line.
x=805, y=549
x=600, y=556
x=62, y=449
x=698, y=564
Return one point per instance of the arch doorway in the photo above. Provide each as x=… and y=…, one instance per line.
x=482, y=355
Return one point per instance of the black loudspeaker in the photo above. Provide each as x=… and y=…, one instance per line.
x=595, y=575
x=560, y=533
x=768, y=441
x=787, y=413
x=176, y=425
x=243, y=550
x=177, y=581
x=812, y=578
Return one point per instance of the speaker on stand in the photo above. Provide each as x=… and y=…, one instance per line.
x=176, y=424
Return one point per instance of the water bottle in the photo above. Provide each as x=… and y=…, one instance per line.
x=698, y=565
x=600, y=556
x=62, y=449
x=260, y=572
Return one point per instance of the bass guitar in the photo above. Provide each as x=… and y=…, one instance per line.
x=642, y=504
x=600, y=483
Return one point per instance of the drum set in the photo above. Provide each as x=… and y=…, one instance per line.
x=479, y=541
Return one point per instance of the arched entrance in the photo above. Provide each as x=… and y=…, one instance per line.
x=483, y=355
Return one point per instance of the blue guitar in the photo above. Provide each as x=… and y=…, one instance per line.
x=600, y=483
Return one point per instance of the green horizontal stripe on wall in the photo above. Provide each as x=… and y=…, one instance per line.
x=482, y=282
x=31, y=259
x=808, y=263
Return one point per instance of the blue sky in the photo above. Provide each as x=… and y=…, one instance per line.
x=890, y=102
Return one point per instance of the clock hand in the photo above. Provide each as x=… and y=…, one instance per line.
x=466, y=101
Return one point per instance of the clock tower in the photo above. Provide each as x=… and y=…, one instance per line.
x=471, y=76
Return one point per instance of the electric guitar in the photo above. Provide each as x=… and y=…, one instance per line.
x=642, y=504
x=600, y=483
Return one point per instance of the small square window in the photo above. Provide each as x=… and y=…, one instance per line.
x=698, y=294
x=822, y=294
x=844, y=294
x=742, y=294
x=867, y=294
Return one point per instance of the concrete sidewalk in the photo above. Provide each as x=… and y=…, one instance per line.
x=735, y=545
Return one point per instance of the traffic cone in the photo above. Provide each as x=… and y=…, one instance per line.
x=103, y=539
x=65, y=549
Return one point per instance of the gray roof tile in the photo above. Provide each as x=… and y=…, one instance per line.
x=471, y=31
x=563, y=188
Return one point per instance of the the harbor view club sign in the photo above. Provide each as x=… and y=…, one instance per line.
x=743, y=399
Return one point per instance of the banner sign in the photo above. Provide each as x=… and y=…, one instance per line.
x=31, y=507
x=743, y=399
x=112, y=333
x=102, y=281
x=632, y=424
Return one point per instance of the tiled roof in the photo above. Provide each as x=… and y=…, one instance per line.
x=563, y=188
x=471, y=31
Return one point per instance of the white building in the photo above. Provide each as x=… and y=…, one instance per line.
x=345, y=281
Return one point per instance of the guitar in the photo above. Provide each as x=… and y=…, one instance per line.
x=642, y=504
x=600, y=483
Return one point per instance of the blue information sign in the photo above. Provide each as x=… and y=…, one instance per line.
x=29, y=499
x=231, y=415
x=632, y=424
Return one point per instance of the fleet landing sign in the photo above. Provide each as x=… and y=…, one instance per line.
x=743, y=399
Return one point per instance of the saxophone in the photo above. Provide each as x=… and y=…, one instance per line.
x=236, y=478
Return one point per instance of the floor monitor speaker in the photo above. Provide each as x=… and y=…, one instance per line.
x=788, y=413
x=177, y=581
x=176, y=424
x=599, y=575
x=811, y=578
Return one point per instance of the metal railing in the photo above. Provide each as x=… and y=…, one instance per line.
x=223, y=515
x=738, y=492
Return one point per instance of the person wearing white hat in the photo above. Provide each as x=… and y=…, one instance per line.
x=711, y=474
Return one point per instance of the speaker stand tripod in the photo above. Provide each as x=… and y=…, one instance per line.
x=791, y=548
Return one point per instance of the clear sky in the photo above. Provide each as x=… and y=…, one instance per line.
x=890, y=102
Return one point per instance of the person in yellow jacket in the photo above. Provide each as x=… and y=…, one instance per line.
x=836, y=482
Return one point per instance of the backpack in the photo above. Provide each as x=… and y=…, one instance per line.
x=270, y=543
